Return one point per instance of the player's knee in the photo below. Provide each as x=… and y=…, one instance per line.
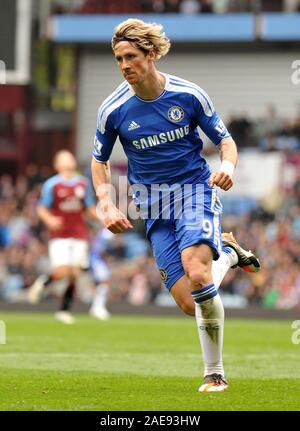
x=60, y=272
x=199, y=276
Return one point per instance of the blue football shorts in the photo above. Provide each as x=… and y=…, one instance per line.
x=199, y=223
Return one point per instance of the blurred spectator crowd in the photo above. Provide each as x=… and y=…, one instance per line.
x=23, y=247
x=271, y=132
x=272, y=230
x=173, y=6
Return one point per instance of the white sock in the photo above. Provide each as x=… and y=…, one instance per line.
x=100, y=298
x=209, y=314
x=222, y=265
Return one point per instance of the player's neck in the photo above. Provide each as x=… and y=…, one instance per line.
x=67, y=175
x=152, y=87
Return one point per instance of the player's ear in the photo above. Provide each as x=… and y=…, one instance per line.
x=152, y=55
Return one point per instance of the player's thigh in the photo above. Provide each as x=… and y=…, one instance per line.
x=166, y=252
x=197, y=263
x=79, y=254
x=60, y=252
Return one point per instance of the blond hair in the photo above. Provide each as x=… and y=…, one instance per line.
x=142, y=35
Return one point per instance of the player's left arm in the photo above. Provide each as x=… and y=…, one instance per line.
x=223, y=178
x=213, y=126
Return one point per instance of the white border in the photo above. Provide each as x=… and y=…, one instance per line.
x=21, y=74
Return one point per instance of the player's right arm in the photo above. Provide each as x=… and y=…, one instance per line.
x=112, y=218
x=51, y=221
x=213, y=126
x=45, y=204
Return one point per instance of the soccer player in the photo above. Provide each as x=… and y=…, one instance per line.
x=65, y=199
x=156, y=116
x=101, y=273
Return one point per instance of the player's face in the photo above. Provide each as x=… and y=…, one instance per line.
x=65, y=162
x=133, y=63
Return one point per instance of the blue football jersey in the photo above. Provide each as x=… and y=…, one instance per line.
x=160, y=137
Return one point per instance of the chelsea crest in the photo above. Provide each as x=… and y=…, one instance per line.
x=175, y=114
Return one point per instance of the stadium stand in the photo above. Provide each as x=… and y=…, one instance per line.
x=173, y=6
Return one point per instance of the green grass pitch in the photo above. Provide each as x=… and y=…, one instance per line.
x=143, y=363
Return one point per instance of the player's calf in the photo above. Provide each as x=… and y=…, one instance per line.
x=182, y=295
x=188, y=307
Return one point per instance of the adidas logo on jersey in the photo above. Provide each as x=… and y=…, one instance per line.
x=133, y=125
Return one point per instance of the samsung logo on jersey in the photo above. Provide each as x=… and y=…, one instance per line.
x=162, y=138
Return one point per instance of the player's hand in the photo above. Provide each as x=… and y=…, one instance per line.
x=113, y=219
x=221, y=179
x=55, y=223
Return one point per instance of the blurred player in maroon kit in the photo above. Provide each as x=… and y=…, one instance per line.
x=66, y=198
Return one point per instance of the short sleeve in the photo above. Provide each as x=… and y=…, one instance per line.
x=89, y=196
x=105, y=137
x=207, y=117
x=46, y=199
